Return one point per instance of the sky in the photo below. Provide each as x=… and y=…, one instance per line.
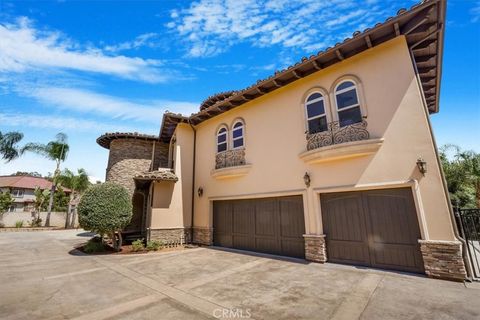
x=89, y=67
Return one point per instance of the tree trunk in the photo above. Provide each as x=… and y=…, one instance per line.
x=69, y=209
x=50, y=205
x=74, y=215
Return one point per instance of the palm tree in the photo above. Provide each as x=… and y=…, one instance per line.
x=56, y=150
x=77, y=183
x=8, y=145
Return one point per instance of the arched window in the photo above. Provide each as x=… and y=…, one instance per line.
x=348, y=106
x=237, y=135
x=316, y=114
x=222, y=139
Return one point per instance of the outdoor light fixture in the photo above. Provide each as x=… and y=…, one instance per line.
x=422, y=165
x=306, y=179
x=200, y=191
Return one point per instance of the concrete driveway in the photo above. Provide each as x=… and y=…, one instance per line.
x=40, y=279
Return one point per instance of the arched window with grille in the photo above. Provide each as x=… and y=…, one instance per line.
x=222, y=139
x=315, y=110
x=238, y=135
x=347, y=102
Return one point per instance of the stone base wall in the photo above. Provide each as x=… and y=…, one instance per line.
x=443, y=259
x=315, y=248
x=203, y=236
x=171, y=235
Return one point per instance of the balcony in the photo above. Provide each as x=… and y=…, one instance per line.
x=230, y=163
x=337, y=143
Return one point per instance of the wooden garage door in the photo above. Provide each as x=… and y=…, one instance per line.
x=269, y=225
x=376, y=228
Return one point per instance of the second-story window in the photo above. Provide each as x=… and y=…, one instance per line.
x=348, y=106
x=316, y=115
x=237, y=135
x=222, y=140
x=17, y=193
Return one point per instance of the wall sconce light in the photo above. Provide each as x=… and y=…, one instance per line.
x=422, y=165
x=200, y=191
x=306, y=179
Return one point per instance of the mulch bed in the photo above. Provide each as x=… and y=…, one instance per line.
x=127, y=249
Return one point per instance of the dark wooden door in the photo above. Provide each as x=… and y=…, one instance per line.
x=376, y=228
x=269, y=225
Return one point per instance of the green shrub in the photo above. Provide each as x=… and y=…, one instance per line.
x=154, y=245
x=138, y=245
x=105, y=209
x=36, y=222
x=19, y=224
x=94, y=245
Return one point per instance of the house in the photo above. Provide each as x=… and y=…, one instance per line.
x=22, y=190
x=332, y=159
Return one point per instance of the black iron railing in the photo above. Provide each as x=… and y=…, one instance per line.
x=335, y=134
x=230, y=158
x=468, y=223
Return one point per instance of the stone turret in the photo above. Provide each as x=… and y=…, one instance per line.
x=130, y=155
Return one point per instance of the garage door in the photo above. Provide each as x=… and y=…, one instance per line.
x=376, y=228
x=269, y=225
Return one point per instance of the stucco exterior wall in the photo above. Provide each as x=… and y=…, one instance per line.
x=172, y=202
x=275, y=136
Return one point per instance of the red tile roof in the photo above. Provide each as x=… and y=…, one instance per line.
x=25, y=182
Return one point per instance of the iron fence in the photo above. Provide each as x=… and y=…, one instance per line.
x=468, y=223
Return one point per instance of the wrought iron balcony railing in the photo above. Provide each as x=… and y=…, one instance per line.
x=337, y=135
x=230, y=158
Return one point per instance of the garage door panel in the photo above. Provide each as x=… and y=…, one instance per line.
x=270, y=225
x=377, y=228
x=345, y=219
x=393, y=256
x=291, y=213
x=293, y=248
x=222, y=214
x=348, y=252
x=243, y=214
x=265, y=210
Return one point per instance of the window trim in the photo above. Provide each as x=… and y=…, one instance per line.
x=326, y=105
x=238, y=138
x=226, y=138
x=19, y=194
x=307, y=103
x=360, y=96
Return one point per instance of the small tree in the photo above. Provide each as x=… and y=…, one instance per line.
x=6, y=201
x=105, y=209
x=41, y=198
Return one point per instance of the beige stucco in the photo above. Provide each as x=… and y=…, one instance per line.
x=171, y=205
x=275, y=137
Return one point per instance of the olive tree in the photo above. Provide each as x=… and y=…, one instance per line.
x=105, y=209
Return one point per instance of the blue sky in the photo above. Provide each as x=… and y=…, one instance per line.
x=87, y=67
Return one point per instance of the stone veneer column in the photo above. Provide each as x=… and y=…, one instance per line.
x=168, y=235
x=203, y=235
x=315, y=248
x=443, y=259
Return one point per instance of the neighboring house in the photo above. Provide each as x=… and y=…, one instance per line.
x=22, y=190
x=332, y=159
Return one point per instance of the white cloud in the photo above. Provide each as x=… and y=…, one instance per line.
x=28, y=120
x=210, y=27
x=85, y=101
x=24, y=48
x=143, y=40
x=475, y=12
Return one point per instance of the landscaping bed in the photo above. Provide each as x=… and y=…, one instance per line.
x=95, y=247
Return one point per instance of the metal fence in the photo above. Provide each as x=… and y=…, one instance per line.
x=468, y=223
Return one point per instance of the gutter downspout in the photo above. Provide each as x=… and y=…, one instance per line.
x=193, y=176
x=466, y=260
